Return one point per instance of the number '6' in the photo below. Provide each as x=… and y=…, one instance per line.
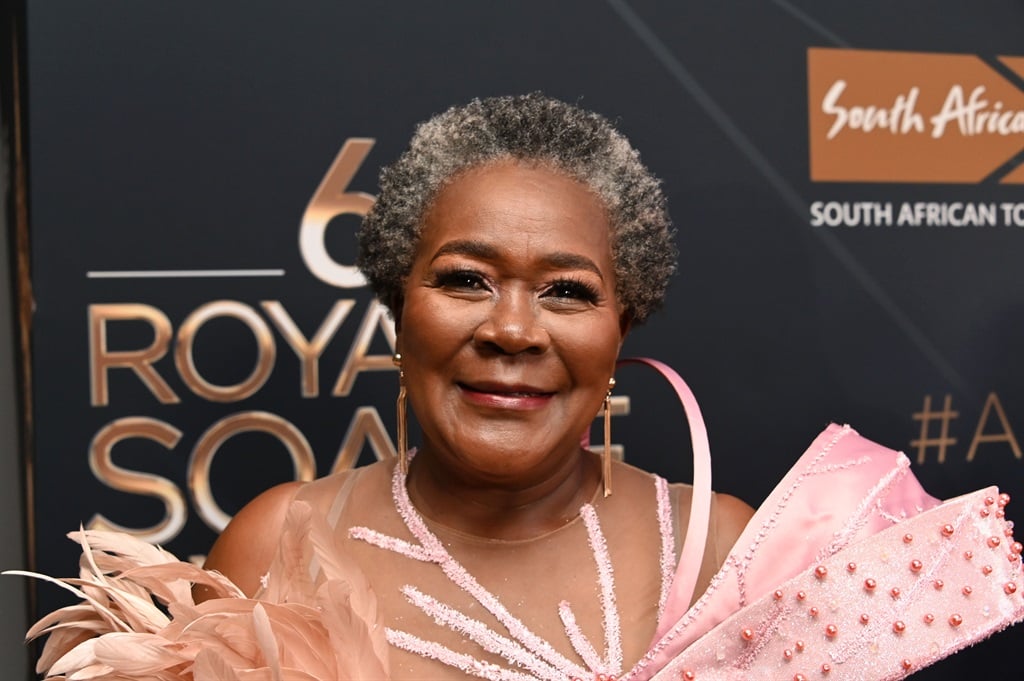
x=329, y=201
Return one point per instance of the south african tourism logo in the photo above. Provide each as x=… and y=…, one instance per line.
x=879, y=116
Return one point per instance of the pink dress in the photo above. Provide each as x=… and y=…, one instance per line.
x=849, y=570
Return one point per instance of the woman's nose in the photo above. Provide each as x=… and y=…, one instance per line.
x=513, y=325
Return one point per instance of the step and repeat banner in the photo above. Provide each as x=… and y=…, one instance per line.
x=846, y=180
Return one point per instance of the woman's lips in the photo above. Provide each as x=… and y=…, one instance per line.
x=506, y=397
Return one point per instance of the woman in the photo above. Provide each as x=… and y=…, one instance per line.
x=516, y=242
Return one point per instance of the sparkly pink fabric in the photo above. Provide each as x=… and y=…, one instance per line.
x=881, y=609
x=668, y=543
x=849, y=570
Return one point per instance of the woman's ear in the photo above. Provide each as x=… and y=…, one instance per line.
x=395, y=307
x=625, y=324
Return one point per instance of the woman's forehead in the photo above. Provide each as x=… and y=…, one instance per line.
x=513, y=206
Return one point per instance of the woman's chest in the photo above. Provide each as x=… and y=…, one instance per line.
x=581, y=601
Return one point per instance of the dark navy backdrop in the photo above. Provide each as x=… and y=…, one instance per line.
x=192, y=136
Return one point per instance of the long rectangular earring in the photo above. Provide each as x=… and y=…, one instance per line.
x=403, y=432
x=606, y=459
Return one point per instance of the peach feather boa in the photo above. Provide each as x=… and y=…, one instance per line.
x=137, y=619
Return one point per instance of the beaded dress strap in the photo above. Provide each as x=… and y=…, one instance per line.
x=692, y=556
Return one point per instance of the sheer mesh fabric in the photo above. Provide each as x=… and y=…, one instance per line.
x=529, y=577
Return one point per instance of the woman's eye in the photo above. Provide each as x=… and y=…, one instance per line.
x=572, y=290
x=461, y=279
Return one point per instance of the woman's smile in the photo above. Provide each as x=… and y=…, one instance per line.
x=504, y=396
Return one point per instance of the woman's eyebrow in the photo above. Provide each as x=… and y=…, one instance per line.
x=571, y=261
x=559, y=260
x=475, y=249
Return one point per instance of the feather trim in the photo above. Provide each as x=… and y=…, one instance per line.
x=137, y=619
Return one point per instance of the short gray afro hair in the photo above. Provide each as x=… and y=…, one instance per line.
x=536, y=129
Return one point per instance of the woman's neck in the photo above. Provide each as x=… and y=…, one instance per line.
x=502, y=512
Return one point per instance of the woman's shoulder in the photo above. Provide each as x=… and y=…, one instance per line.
x=729, y=515
x=326, y=491
x=728, y=511
x=246, y=547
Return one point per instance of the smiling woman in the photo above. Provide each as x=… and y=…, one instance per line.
x=508, y=242
x=509, y=330
x=516, y=242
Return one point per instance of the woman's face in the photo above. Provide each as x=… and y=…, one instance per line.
x=510, y=327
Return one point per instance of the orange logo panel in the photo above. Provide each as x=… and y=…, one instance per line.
x=879, y=116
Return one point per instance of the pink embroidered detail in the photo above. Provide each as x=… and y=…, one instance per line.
x=686, y=620
x=833, y=467
x=770, y=523
x=394, y=544
x=874, y=499
x=522, y=648
x=870, y=503
x=461, y=578
x=479, y=633
x=889, y=498
x=466, y=663
x=579, y=642
x=668, y=542
x=895, y=635
x=734, y=562
x=606, y=578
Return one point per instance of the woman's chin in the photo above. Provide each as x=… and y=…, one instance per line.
x=510, y=457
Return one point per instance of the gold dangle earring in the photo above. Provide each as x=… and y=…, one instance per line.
x=606, y=460
x=403, y=432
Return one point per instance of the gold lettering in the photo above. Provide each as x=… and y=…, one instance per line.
x=1006, y=435
x=926, y=416
x=140, y=361
x=184, y=360
x=366, y=426
x=307, y=351
x=357, y=360
x=216, y=435
x=329, y=201
x=133, y=482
